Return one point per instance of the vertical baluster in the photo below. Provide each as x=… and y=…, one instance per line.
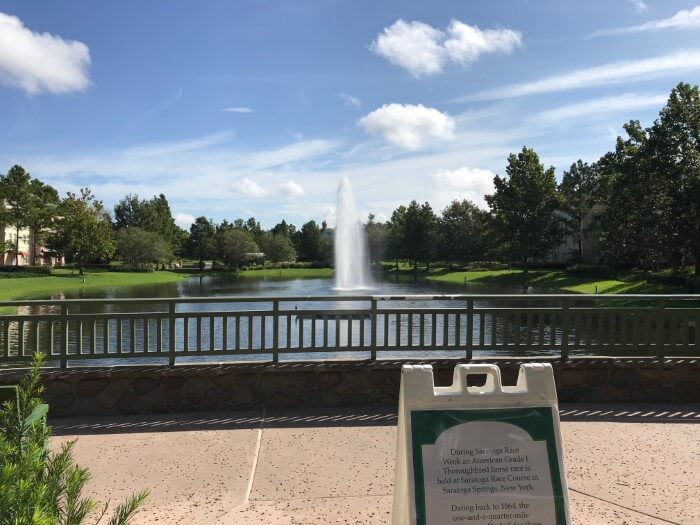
x=482, y=330
x=64, y=335
x=398, y=330
x=361, y=321
x=263, y=332
x=528, y=331
x=212, y=333
x=373, y=319
x=385, y=343
x=250, y=331
x=198, y=343
x=238, y=332
x=133, y=334
x=349, y=345
x=433, y=330
x=93, y=342
x=421, y=327
x=172, y=344
x=37, y=347
x=445, y=327
x=409, y=342
x=494, y=329
x=20, y=338
x=289, y=331
x=540, y=329
x=565, y=332
x=470, y=327
x=517, y=322
x=624, y=329
x=79, y=349
x=120, y=335
x=301, y=331
x=52, y=337
x=275, y=330
x=553, y=329
x=224, y=337
x=186, y=333
x=105, y=335
x=337, y=330
x=325, y=332
x=458, y=328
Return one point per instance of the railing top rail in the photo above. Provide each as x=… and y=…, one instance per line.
x=334, y=298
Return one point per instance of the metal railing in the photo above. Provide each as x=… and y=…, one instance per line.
x=367, y=326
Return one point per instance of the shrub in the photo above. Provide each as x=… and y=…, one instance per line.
x=38, y=486
x=18, y=271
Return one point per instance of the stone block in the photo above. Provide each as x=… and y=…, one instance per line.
x=57, y=386
x=625, y=378
x=304, y=379
x=172, y=382
x=200, y=383
x=572, y=377
x=107, y=399
x=226, y=394
x=144, y=385
x=274, y=381
x=223, y=381
x=688, y=392
x=129, y=403
x=194, y=399
x=62, y=402
x=246, y=379
x=281, y=400
x=358, y=381
x=378, y=377
x=596, y=377
x=173, y=398
x=210, y=399
x=89, y=386
x=327, y=380
x=310, y=398
x=244, y=397
x=661, y=395
x=394, y=376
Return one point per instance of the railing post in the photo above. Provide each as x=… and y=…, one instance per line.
x=565, y=330
x=64, y=336
x=171, y=333
x=660, y=326
x=373, y=329
x=275, y=331
x=470, y=328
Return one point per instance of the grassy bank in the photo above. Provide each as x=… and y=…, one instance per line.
x=63, y=280
x=553, y=279
x=538, y=278
x=289, y=273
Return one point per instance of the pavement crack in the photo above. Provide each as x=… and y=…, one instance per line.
x=254, y=467
x=624, y=507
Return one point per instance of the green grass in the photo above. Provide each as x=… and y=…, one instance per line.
x=554, y=279
x=289, y=273
x=63, y=280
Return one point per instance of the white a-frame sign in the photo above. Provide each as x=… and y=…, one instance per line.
x=486, y=455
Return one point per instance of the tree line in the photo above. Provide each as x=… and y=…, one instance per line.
x=641, y=202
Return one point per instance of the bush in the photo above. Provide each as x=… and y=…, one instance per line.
x=33, y=271
x=588, y=270
x=39, y=486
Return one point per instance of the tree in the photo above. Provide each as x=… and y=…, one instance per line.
x=309, y=242
x=377, y=239
x=139, y=248
x=278, y=248
x=235, y=246
x=462, y=232
x=282, y=228
x=201, y=243
x=524, y=208
x=674, y=151
x=42, y=213
x=577, y=189
x=634, y=225
x=82, y=232
x=153, y=215
x=415, y=231
x=40, y=486
x=15, y=188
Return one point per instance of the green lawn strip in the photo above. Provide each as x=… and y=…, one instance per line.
x=289, y=273
x=554, y=279
x=64, y=280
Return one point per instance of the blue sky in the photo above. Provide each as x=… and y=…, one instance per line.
x=244, y=108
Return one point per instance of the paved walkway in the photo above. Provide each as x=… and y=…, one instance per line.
x=638, y=465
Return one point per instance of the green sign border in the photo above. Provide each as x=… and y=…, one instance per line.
x=427, y=425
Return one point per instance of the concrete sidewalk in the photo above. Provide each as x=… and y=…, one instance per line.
x=625, y=465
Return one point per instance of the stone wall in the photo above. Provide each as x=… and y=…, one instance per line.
x=187, y=388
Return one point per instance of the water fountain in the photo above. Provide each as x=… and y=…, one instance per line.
x=351, y=268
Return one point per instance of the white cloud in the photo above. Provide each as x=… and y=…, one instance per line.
x=350, y=100
x=605, y=105
x=424, y=50
x=291, y=189
x=248, y=188
x=41, y=62
x=184, y=220
x=462, y=183
x=237, y=109
x=409, y=126
x=466, y=43
x=683, y=19
x=639, y=5
x=611, y=73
